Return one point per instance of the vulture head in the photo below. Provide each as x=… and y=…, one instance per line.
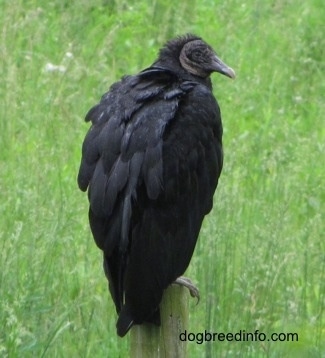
x=194, y=56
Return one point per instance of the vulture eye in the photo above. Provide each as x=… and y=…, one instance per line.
x=196, y=54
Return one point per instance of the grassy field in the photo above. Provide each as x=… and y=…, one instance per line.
x=260, y=259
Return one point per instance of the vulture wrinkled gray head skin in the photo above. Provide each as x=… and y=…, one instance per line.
x=151, y=161
x=194, y=56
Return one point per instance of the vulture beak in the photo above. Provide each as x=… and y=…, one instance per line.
x=221, y=67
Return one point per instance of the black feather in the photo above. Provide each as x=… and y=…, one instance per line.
x=151, y=161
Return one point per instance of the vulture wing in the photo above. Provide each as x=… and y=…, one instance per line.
x=151, y=162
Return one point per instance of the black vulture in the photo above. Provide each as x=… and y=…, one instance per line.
x=151, y=162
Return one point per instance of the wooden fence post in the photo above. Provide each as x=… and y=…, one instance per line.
x=150, y=341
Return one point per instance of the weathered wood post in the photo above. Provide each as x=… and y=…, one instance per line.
x=150, y=341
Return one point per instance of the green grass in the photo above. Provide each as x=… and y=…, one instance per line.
x=260, y=259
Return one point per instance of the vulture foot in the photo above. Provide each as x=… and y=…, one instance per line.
x=186, y=282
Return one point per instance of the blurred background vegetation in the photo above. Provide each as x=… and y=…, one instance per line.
x=260, y=259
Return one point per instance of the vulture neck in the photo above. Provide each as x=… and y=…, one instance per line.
x=175, y=67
